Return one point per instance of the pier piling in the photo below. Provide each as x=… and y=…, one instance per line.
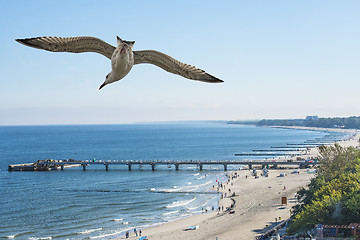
x=225, y=167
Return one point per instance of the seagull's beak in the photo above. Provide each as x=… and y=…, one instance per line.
x=102, y=85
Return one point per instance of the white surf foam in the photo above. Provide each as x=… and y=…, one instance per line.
x=106, y=236
x=40, y=238
x=173, y=189
x=195, y=187
x=193, y=208
x=169, y=213
x=117, y=219
x=180, y=203
x=89, y=231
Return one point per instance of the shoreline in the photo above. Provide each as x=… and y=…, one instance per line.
x=257, y=203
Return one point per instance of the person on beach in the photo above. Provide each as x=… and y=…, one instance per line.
x=127, y=234
x=135, y=231
x=140, y=232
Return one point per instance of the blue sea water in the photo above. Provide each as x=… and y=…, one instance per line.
x=99, y=204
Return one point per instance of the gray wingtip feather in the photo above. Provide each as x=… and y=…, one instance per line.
x=216, y=80
x=27, y=42
x=22, y=41
x=212, y=79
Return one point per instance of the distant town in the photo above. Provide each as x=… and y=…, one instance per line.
x=309, y=121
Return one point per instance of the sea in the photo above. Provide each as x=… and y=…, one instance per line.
x=99, y=204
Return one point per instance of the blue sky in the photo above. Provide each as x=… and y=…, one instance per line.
x=279, y=59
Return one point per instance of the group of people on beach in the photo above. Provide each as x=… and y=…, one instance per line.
x=127, y=234
x=221, y=185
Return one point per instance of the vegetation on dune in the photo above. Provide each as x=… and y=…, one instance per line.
x=333, y=196
x=349, y=123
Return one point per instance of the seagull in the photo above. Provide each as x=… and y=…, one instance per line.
x=122, y=57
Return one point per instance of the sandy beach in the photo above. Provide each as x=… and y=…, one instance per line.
x=257, y=207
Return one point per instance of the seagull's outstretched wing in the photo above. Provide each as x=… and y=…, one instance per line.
x=70, y=44
x=172, y=65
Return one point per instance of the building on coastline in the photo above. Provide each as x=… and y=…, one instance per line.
x=312, y=118
x=351, y=230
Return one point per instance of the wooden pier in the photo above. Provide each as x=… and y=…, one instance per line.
x=289, y=150
x=45, y=165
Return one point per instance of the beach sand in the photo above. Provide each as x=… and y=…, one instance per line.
x=257, y=206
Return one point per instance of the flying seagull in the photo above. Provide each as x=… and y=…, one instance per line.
x=122, y=57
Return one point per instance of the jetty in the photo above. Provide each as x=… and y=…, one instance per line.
x=47, y=165
x=275, y=150
x=268, y=154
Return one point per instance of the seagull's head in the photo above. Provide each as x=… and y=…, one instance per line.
x=108, y=79
x=124, y=47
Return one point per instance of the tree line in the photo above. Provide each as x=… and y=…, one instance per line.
x=337, y=122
